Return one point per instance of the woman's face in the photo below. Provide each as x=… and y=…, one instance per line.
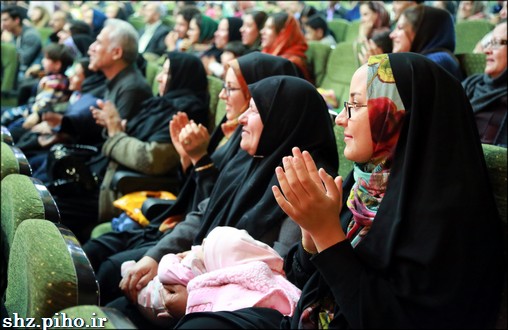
x=496, y=54
x=357, y=135
x=36, y=14
x=249, y=30
x=221, y=36
x=268, y=33
x=402, y=36
x=76, y=80
x=193, y=32
x=163, y=77
x=252, y=128
x=367, y=16
x=236, y=102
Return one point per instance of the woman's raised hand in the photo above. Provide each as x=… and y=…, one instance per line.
x=195, y=139
x=311, y=197
x=176, y=125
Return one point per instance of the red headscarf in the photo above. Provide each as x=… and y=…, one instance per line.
x=290, y=43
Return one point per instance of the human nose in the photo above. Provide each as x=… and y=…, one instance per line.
x=341, y=118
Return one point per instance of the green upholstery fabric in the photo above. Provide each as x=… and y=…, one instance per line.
x=345, y=165
x=342, y=64
x=45, y=32
x=317, y=58
x=9, y=72
x=468, y=33
x=471, y=63
x=115, y=319
x=20, y=201
x=169, y=21
x=339, y=27
x=352, y=31
x=41, y=275
x=221, y=111
x=495, y=157
x=9, y=162
x=214, y=89
x=137, y=22
x=152, y=69
x=101, y=229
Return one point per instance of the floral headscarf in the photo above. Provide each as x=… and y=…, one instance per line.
x=386, y=113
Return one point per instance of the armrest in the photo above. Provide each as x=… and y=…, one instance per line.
x=127, y=181
x=152, y=207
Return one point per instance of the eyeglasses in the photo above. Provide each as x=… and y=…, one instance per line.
x=348, y=106
x=495, y=43
x=229, y=89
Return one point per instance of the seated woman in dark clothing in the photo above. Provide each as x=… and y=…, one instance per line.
x=253, y=23
x=428, y=31
x=487, y=91
x=398, y=244
x=202, y=159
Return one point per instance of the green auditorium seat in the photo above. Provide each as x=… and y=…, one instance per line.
x=9, y=73
x=352, y=31
x=471, y=63
x=214, y=89
x=339, y=27
x=342, y=64
x=495, y=157
x=13, y=161
x=23, y=198
x=468, y=33
x=114, y=318
x=317, y=57
x=48, y=272
x=345, y=165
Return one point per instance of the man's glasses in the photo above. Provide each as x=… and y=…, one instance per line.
x=348, y=106
x=495, y=43
x=229, y=89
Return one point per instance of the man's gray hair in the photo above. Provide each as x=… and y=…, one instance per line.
x=122, y=34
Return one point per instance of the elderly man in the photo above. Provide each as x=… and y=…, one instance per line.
x=114, y=53
x=151, y=38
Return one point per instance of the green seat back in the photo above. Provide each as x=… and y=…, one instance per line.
x=342, y=64
x=152, y=69
x=221, y=111
x=9, y=162
x=317, y=57
x=495, y=158
x=339, y=27
x=115, y=319
x=352, y=31
x=101, y=229
x=471, y=63
x=214, y=89
x=48, y=271
x=468, y=33
x=137, y=22
x=13, y=161
x=45, y=32
x=169, y=21
x=9, y=66
x=345, y=165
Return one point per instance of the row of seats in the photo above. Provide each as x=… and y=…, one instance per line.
x=44, y=270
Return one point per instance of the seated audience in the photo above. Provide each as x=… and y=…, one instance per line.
x=202, y=159
x=94, y=18
x=429, y=31
x=253, y=23
x=174, y=38
x=242, y=197
x=374, y=17
x=487, y=91
x=471, y=10
x=282, y=36
x=51, y=89
x=398, y=6
x=388, y=248
x=227, y=30
x=146, y=133
x=39, y=17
